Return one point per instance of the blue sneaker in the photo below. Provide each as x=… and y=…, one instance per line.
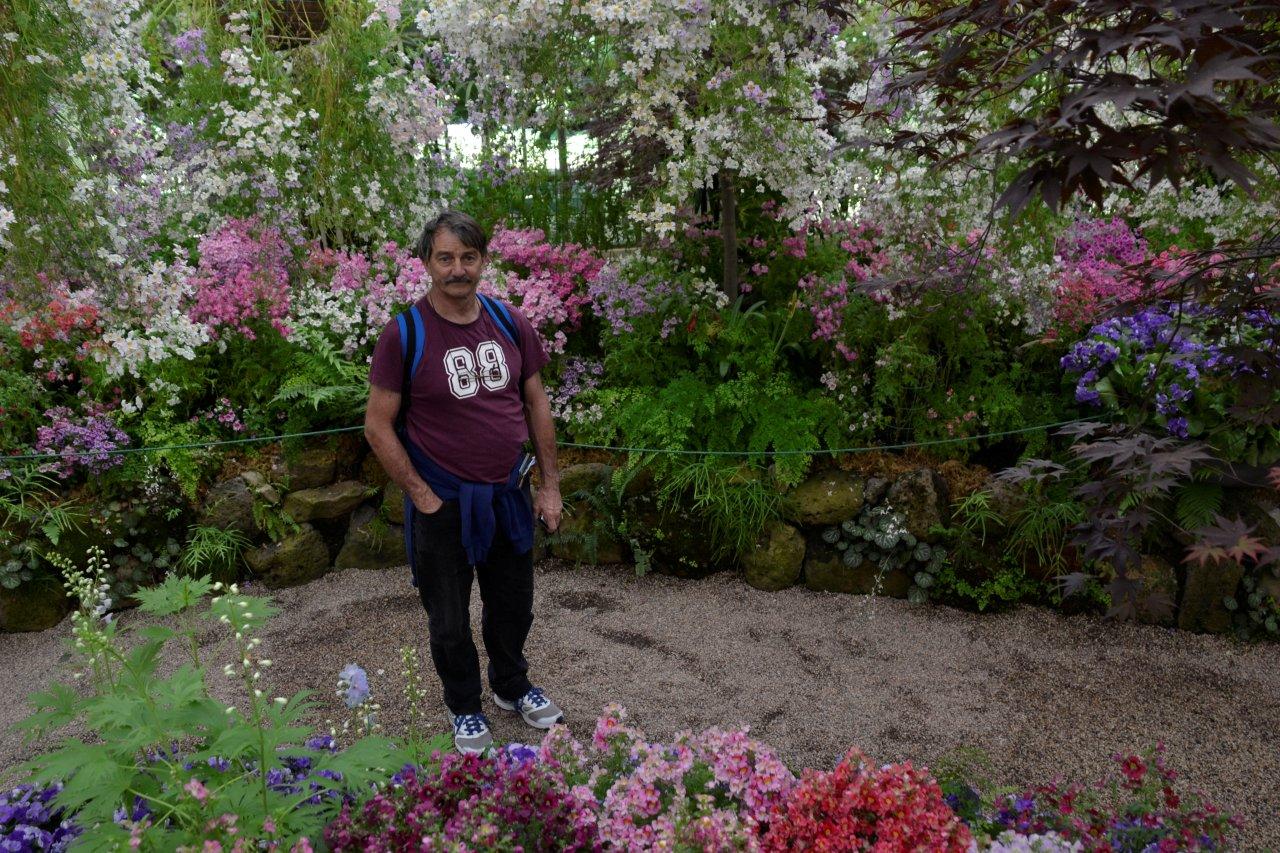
x=471, y=733
x=536, y=709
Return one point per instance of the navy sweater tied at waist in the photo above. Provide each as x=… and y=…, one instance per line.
x=485, y=507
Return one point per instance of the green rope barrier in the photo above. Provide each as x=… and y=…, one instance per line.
x=120, y=451
x=826, y=451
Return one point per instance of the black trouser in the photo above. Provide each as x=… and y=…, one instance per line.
x=444, y=585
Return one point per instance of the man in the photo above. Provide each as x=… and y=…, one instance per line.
x=457, y=451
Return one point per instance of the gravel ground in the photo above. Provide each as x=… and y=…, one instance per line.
x=811, y=673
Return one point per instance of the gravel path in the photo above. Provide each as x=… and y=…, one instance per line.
x=811, y=674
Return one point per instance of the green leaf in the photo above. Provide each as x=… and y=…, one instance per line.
x=1198, y=503
x=55, y=707
x=174, y=595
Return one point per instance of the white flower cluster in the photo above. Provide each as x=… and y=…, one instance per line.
x=150, y=324
x=333, y=314
x=6, y=213
x=722, y=84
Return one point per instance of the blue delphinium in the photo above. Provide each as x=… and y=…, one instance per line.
x=28, y=822
x=353, y=685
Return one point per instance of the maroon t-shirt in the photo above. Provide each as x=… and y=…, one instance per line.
x=465, y=408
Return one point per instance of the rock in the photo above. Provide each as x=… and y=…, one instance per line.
x=36, y=605
x=371, y=543
x=332, y=501
x=1157, y=577
x=372, y=472
x=260, y=487
x=584, y=477
x=392, y=507
x=825, y=571
x=292, y=561
x=675, y=539
x=229, y=506
x=775, y=562
x=921, y=497
x=1269, y=582
x=827, y=498
x=1201, y=608
x=311, y=468
x=584, y=537
x=874, y=490
x=1006, y=500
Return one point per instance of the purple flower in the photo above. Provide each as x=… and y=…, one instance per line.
x=84, y=441
x=751, y=91
x=27, y=822
x=354, y=684
x=191, y=44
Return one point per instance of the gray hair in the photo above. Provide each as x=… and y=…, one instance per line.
x=462, y=226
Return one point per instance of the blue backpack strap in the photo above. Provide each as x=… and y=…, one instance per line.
x=413, y=340
x=420, y=339
x=502, y=316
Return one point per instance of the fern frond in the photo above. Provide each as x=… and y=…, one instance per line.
x=1198, y=503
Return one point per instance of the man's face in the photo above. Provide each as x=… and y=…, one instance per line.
x=454, y=267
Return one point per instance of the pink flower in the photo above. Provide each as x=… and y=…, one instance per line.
x=196, y=788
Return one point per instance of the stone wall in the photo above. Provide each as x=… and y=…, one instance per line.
x=866, y=531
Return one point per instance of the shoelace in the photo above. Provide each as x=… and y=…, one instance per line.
x=470, y=724
x=534, y=699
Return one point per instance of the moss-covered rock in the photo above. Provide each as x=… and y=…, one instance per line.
x=261, y=488
x=392, y=507
x=371, y=543
x=775, y=562
x=294, y=560
x=829, y=497
x=311, y=468
x=372, y=472
x=584, y=477
x=326, y=502
x=1202, y=608
x=826, y=571
x=229, y=506
x=36, y=605
x=921, y=497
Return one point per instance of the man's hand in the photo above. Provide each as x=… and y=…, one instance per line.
x=426, y=501
x=548, y=506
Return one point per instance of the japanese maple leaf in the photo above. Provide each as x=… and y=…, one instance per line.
x=1274, y=477
x=1225, y=539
